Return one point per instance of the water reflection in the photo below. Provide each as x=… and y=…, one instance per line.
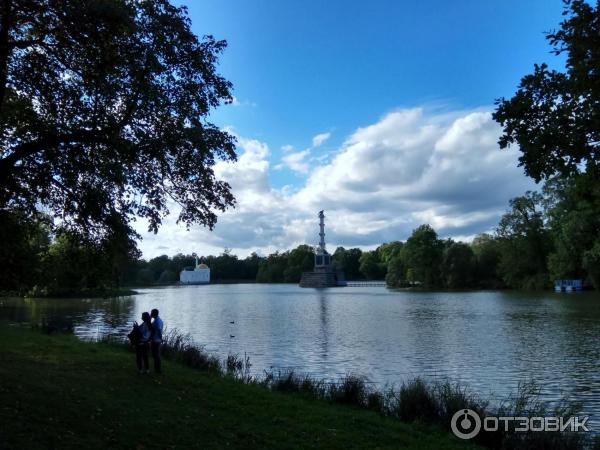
x=489, y=340
x=89, y=318
x=324, y=330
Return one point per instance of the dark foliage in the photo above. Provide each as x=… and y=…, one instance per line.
x=554, y=116
x=349, y=261
x=24, y=240
x=103, y=113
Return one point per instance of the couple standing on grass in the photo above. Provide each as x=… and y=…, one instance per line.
x=149, y=335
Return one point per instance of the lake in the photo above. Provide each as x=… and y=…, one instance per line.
x=487, y=340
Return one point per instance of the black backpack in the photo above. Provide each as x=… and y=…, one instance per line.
x=135, y=336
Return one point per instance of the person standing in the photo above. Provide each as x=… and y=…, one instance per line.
x=156, y=340
x=141, y=349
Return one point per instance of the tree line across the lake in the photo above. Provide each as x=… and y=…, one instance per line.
x=104, y=118
x=542, y=236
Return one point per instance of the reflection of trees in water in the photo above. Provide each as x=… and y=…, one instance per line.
x=108, y=316
x=88, y=317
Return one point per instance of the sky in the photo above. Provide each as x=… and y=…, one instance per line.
x=378, y=112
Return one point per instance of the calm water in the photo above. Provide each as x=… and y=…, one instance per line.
x=488, y=340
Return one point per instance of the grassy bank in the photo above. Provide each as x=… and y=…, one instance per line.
x=58, y=392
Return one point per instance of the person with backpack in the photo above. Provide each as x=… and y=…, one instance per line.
x=140, y=338
x=156, y=340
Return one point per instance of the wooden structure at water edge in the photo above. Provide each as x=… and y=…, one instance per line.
x=324, y=274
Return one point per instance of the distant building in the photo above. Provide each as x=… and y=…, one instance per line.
x=568, y=285
x=200, y=274
x=324, y=273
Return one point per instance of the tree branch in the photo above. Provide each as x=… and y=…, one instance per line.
x=26, y=149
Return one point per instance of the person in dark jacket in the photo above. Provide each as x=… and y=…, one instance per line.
x=141, y=349
x=156, y=340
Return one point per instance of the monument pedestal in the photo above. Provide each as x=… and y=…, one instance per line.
x=322, y=279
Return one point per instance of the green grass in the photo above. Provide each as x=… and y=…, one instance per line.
x=59, y=392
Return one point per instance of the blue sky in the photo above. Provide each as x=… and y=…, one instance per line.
x=380, y=82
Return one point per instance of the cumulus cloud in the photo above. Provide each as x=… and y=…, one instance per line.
x=262, y=220
x=416, y=167
x=296, y=161
x=319, y=139
x=413, y=166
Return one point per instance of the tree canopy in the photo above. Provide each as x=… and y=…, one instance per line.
x=554, y=116
x=104, y=110
x=524, y=243
x=423, y=253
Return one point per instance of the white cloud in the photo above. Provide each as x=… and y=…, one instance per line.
x=262, y=220
x=415, y=167
x=296, y=161
x=411, y=167
x=319, y=139
x=237, y=102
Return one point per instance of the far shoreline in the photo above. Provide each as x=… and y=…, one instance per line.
x=136, y=290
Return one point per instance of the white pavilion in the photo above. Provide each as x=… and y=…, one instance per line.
x=199, y=274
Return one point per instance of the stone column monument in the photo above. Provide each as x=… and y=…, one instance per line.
x=324, y=273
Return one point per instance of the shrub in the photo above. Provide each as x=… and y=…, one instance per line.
x=417, y=402
x=239, y=368
x=351, y=390
x=181, y=347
